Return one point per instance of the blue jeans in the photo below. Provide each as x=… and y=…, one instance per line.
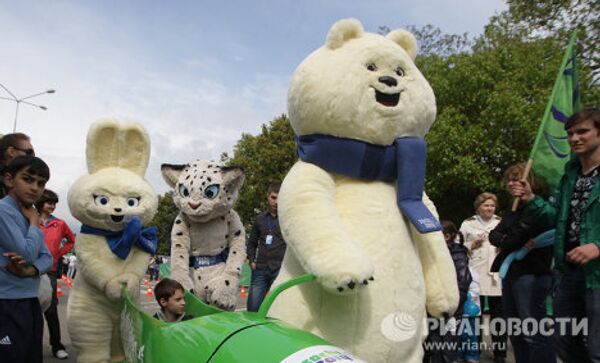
x=525, y=297
x=572, y=299
x=261, y=281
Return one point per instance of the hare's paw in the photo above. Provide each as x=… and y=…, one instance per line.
x=113, y=287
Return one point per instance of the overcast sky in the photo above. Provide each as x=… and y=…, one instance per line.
x=196, y=74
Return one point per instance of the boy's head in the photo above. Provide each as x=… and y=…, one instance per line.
x=47, y=202
x=592, y=114
x=583, y=133
x=169, y=295
x=26, y=178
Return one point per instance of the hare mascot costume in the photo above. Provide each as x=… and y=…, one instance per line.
x=112, y=202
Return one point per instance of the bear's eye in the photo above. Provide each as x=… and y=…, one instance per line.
x=371, y=67
x=399, y=71
x=211, y=191
x=101, y=199
x=133, y=201
x=183, y=191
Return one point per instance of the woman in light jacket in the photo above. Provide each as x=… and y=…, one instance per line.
x=476, y=230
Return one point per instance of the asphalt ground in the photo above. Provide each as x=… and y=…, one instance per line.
x=149, y=304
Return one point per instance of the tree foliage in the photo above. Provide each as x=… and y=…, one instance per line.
x=558, y=18
x=489, y=103
x=492, y=98
x=432, y=41
x=265, y=158
x=167, y=211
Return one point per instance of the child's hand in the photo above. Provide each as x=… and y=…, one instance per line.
x=31, y=214
x=18, y=266
x=530, y=245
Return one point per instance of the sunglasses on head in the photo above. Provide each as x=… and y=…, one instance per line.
x=28, y=152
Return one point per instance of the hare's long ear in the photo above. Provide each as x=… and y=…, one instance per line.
x=134, y=146
x=233, y=177
x=102, y=149
x=171, y=173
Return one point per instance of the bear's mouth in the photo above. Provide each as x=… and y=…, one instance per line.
x=116, y=218
x=388, y=100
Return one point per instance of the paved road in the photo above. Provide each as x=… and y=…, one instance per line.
x=149, y=304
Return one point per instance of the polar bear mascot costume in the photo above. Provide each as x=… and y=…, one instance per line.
x=112, y=202
x=352, y=210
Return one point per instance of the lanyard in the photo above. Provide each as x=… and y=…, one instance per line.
x=271, y=222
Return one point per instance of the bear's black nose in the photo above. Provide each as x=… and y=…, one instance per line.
x=388, y=81
x=118, y=210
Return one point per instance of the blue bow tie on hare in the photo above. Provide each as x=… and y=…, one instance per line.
x=120, y=243
x=403, y=162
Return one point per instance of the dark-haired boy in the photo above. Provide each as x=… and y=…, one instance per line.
x=169, y=295
x=23, y=257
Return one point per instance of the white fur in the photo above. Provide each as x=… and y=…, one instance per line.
x=117, y=157
x=345, y=230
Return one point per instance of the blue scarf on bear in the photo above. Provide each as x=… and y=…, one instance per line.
x=402, y=162
x=121, y=242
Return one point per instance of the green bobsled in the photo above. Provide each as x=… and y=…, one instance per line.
x=218, y=336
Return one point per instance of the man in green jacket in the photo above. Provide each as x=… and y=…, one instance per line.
x=574, y=210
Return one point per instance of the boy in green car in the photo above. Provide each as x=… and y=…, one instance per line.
x=169, y=295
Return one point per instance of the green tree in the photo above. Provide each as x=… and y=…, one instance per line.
x=265, y=157
x=489, y=103
x=433, y=41
x=164, y=218
x=558, y=18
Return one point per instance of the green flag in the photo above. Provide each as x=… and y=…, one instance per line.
x=551, y=149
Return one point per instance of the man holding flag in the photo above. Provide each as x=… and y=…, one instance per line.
x=575, y=212
x=570, y=144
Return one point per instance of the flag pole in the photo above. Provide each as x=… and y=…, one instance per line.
x=526, y=172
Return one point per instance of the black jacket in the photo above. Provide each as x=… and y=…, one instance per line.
x=258, y=251
x=513, y=231
x=460, y=257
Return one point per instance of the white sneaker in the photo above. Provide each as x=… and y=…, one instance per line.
x=61, y=354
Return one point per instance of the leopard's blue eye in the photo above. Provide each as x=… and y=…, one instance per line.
x=183, y=191
x=211, y=191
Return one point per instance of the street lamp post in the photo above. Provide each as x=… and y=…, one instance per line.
x=18, y=101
